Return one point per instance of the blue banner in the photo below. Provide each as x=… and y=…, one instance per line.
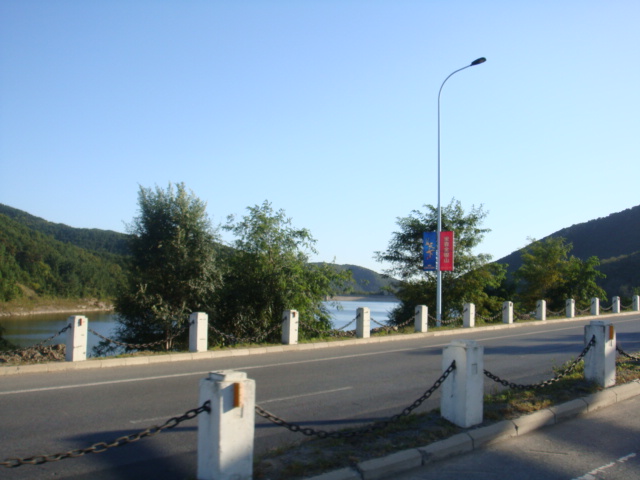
x=429, y=250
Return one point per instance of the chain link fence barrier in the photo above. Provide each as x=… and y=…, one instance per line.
x=537, y=386
x=104, y=446
x=37, y=345
x=308, y=431
x=142, y=346
x=625, y=354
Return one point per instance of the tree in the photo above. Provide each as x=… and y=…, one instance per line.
x=267, y=272
x=470, y=280
x=174, y=270
x=549, y=273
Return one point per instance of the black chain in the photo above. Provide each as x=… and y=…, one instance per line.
x=104, y=446
x=361, y=431
x=625, y=354
x=40, y=344
x=235, y=339
x=536, y=386
x=140, y=346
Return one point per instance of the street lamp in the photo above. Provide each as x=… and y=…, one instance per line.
x=438, y=272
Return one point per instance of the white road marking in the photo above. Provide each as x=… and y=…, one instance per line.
x=281, y=399
x=592, y=474
x=295, y=397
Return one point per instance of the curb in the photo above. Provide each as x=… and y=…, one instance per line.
x=210, y=354
x=472, y=439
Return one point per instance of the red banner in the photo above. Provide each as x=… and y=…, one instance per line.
x=446, y=251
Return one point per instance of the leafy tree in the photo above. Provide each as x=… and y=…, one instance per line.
x=549, y=273
x=267, y=272
x=470, y=280
x=174, y=270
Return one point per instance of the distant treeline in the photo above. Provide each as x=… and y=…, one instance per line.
x=36, y=263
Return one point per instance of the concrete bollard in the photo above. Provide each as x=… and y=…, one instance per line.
x=600, y=360
x=198, y=332
x=507, y=312
x=469, y=315
x=76, y=350
x=226, y=434
x=595, y=306
x=541, y=310
x=363, y=322
x=616, y=305
x=636, y=303
x=290, y=320
x=422, y=318
x=570, y=308
x=462, y=393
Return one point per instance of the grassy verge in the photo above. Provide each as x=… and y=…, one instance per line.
x=315, y=456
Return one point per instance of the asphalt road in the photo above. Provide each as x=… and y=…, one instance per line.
x=325, y=389
x=604, y=445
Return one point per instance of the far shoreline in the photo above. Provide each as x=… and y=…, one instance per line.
x=363, y=298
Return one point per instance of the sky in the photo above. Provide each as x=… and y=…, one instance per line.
x=327, y=109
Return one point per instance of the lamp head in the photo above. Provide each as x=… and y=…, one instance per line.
x=478, y=61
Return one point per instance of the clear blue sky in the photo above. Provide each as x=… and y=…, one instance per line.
x=328, y=109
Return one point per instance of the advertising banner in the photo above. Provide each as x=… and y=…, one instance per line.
x=429, y=251
x=446, y=251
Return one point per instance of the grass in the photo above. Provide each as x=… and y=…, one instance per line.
x=315, y=456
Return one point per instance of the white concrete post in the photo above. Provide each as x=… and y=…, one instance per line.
x=570, y=308
x=616, y=305
x=541, y=310
x=469, y=315
x=600, y=360
x=290, y=320
x=422, y=318
x=507, y=312
x=363, y=322
x=226, y=434
x=636, y=303
x=198, y=332
x=76, y=350
x=462, y=392
x=595, y=306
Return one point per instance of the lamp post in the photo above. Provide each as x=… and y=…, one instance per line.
x=438, y=272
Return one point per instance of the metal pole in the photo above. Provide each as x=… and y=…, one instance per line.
x=438, y=272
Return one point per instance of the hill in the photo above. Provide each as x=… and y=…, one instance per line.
x=105, y=241
x=367, y=282
x=614, y=239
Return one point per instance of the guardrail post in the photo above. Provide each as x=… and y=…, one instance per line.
x=600, y=360
x=541, y=310
x=595, y=306
x=462, y=393
x=469, y=315
x=616, y=305
x=76, y=350
x=290, y=321
x=636, y=303
x=198, y=332
x=363, y=322
x=570, y=308
x=226, y=433
x=507, y=312
x=422, y=318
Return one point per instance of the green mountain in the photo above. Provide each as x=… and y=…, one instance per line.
x=614, y=239
x=367, y=282
x=33, y=263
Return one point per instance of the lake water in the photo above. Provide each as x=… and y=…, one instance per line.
x=25, y=331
